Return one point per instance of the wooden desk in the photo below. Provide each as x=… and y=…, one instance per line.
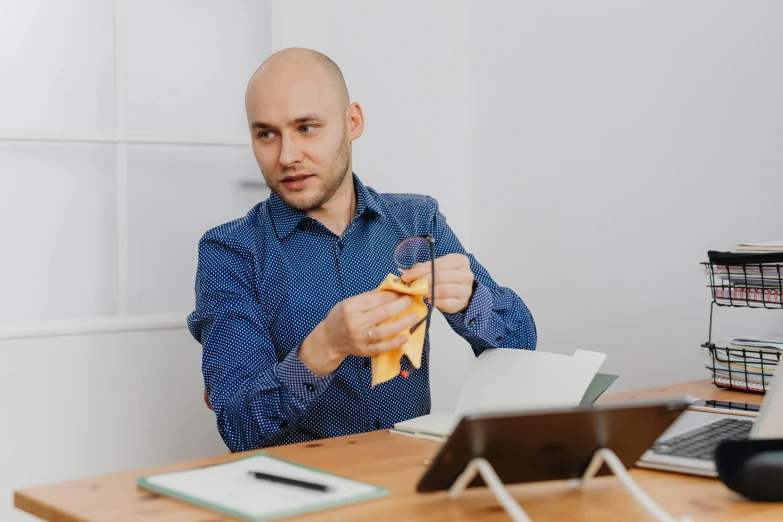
x=396, y=462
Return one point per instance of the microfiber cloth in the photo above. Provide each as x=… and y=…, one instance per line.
x=386, y=366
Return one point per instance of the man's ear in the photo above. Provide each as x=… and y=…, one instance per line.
x=355, y=121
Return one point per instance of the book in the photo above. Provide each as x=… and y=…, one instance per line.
x=232, y=490
x=739, y=295
x=507, y=379
x=739, y=384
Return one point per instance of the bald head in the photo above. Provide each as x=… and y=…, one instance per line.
x=299, y=61
x=302, y=125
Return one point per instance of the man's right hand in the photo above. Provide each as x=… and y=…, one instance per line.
x=351, y=328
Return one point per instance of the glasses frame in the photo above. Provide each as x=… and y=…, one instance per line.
x=431, y=242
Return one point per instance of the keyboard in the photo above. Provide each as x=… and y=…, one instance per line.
x=702, y=442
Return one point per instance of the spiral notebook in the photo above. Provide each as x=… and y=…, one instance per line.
x=232, y=490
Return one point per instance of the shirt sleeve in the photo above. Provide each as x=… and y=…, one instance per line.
x=256, y=397
x=495, y=317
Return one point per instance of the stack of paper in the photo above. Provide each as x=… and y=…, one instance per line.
x=762, y=247
x=506, y=379
x=745, y=362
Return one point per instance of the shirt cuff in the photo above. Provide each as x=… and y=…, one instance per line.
x=477, y=315
x=299, y=379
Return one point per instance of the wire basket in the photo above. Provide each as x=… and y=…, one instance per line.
x=744, y=369
x=755, y=285
x=750, y=280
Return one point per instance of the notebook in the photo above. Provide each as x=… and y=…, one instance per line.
x=230, y=489
x=506, y=379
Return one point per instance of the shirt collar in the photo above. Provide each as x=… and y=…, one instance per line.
x=286, y=219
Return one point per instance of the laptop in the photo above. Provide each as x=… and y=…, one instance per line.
x=689, y=444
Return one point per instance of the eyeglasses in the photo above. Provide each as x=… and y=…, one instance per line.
x=416, y=250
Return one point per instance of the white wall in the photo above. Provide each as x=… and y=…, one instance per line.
x=614, y=144
x=85, y=405
x=184, y=68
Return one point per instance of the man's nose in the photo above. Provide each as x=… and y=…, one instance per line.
x=290, y=151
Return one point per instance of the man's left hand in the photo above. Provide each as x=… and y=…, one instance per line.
x=453, y=281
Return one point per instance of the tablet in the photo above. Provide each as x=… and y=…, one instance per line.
x=554, y=444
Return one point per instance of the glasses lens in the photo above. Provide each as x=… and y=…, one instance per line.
x=411, y=251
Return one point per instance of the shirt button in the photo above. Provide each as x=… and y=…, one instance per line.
x=472, y=322
x=340, y=245
x=283, y=425
x=377, y=424
x=366, y=362
x=498, y=339
x=310, y=387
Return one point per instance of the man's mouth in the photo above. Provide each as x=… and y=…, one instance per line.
x=296, y=181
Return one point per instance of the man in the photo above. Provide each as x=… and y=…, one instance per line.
x=285, y=307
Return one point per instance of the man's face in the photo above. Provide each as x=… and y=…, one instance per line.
x=299, y=134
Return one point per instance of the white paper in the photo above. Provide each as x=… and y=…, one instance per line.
x=506, y=379
x=231, y=486
x=761, y=246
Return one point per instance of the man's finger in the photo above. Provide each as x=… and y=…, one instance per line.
x=372, y=299
x=388, y=330
x=416, y=272
x=449, y=291
x=386, y=311
x=453, y=275
x=451, y=261
x=385, y=346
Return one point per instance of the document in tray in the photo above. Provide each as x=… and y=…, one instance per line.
x=762, y=246
x=232, y=490
x=506, y=379
x=773, y=342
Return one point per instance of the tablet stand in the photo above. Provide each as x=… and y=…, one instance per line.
x=482, y=467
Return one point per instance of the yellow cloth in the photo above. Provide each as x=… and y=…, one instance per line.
x=386, y=366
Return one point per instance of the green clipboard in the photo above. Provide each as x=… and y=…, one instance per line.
x=208, y=487
x=597, y=387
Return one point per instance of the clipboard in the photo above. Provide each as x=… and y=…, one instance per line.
x=231, y=490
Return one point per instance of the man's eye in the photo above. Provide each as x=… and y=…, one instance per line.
x=306, y=128
x=265, y=135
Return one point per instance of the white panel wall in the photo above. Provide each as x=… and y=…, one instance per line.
x=188, y=63
x=84, y=405
x=614, y=144
x=175, y=194
x=58, y=66
x=91, y=404
x=58, y=223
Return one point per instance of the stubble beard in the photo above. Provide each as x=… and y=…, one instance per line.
x=336, y=175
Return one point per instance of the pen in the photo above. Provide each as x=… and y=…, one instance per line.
x=289, y=481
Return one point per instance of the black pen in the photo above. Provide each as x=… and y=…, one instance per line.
x=289, y=481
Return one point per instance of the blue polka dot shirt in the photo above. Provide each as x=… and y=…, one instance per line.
x=266, y=280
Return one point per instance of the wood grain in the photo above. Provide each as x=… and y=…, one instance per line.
x=396, y=462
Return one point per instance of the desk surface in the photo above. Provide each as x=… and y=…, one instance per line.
x=396, y=462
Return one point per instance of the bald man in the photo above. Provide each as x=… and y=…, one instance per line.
x=285, y=307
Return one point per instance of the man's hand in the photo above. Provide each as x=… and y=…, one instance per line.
x=453, y=281
x=351, y=328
